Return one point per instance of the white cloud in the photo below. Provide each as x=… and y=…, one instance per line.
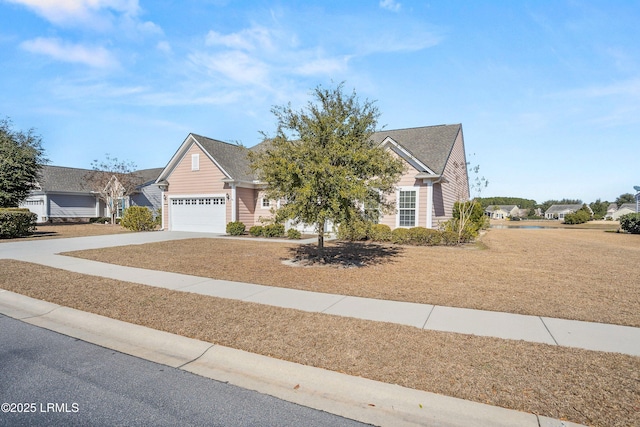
x=234, y=66
x=323, y=66
x=391, y=5
x=97, y=56
x=164, y=46
x=248, y=39
x=80, y=12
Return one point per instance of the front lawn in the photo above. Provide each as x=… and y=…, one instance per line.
x=586, y=275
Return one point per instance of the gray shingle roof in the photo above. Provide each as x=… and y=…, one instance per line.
x=431, y=145
x=231, y=157
x=75, y=180
x=562, y=208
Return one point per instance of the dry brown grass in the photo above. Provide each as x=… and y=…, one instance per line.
x=577, y=274
x=59, y=231
x=601, y=389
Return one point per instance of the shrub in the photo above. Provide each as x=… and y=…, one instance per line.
x=16, y=222
x=400, y=236
x=579, y=217
x=449, y=238
x=273, y=230
x=138, y=218
x=468, y=219
x=424, y=236
x=99, y=220
x=294, y=234
x=356, y=229
x=235, y=228
x=630, y=223
x=380, y=233
x=256, y=231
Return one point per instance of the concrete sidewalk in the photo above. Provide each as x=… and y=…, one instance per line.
x=570, y=333
x=357, y=398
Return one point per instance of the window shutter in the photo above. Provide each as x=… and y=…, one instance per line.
x=195, y=162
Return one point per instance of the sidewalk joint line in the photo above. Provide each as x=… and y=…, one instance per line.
x=341, y=299
x=424, y=326
x=547, y=328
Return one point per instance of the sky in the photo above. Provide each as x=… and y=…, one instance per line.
x=547, y=91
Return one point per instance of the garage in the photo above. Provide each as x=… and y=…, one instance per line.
x=200, y=214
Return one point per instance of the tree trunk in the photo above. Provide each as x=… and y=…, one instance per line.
x=320, y=239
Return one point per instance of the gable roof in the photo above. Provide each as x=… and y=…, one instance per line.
x=506, y=208
x=631, y=206
x=563, y=208
x=74, y=180
x=431, y=145
x=63, y=179
x=232, y=158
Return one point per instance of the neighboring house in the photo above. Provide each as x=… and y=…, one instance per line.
x=502, y=211
x=559, y=211
x=64, y=194
x=208, y=183
x=611, y=210
x=626, y=208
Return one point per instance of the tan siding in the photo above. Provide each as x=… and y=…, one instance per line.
x=408, y=180
x=206, y=180
x=455, y=185
x=246, y=206
x=261, y=213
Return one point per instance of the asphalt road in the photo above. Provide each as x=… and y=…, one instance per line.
x=51, y=379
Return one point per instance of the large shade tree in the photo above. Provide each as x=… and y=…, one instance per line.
x=21, y=159
x=322, y=163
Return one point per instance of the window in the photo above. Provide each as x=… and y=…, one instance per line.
x=195, y=162
x=407, y=208
x=265, y=203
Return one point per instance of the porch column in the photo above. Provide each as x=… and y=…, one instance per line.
x=429, y=203
x=234, y=209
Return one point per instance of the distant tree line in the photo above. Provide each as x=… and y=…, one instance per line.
x=599, y=207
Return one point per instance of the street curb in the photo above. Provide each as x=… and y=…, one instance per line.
x=357, y=398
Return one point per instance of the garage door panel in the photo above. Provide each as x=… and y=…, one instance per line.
x=200, y=214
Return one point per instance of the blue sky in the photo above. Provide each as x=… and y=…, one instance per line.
x=548, y=92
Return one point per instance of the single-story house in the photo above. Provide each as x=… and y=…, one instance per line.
x=502, y=211
x=626, y=208
x=559, y=211
x=208, y=183
x=65, y=194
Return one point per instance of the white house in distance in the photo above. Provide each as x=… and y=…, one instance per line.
x=502, y=211
x=559, y=211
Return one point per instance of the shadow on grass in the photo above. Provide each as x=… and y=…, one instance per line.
x=344, y=254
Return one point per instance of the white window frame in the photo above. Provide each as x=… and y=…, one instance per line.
x=195, y=162
x=265, y=203
x=416, y=190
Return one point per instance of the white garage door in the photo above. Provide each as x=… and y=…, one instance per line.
x=205, y=214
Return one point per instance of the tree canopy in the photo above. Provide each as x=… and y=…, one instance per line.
x=21, y=159
x=112, y=179
x=323, y=164
x=520, y=202
x=625, y=198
